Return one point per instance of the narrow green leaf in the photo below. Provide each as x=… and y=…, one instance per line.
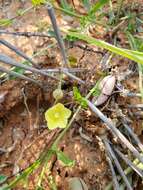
x=97, y=6
x=130, y=54
x=5, y=22
x=96, y=91
x=2, y=178
x=66, y=5
x=39, y=188
x=64, y=159
x=86, y=3
x=78, y=97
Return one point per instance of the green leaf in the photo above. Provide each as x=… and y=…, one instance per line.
x=64, y=159
x=39, y=188
x=78, y=97
x=65, y=5
x=2, y=178
x=97, y=6
x=130, y=54
x=96, y=90
x=5, y=22
x=5, y=187
x=86, y=3
x=135, y=43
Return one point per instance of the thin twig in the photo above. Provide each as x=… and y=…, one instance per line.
x=57, y=33
x=130, y=94
x=135, y=106
x=134, y=136
x=114, y=177
x=12, y=73
x=26, y=34
x=86, y=48
x=74, y=77
x=128, y=162
x=126, y=123
x=8, y=60
x=115, y=131
x=17, y=51
x=120, y=170
x=27, y=109
x=70, y=70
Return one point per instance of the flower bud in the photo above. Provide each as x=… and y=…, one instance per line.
x=57, y=94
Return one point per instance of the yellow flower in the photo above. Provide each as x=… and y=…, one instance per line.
x=57, y=116
x=37, y=2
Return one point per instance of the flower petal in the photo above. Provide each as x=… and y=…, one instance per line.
x=63, y=123
x=67, y=113
x=51, y=124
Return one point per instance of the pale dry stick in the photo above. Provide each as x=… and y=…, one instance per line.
x=131, y=94
x=84, y=136
x=128, y=162
x=8, y=60
x=25, y=34
x=70, y=70
x=125, y=123
x=60, y=41
x=135, y=106
x=73, y=76
x=36, y=54
x=17, y=51
x=127, y=171
x=12, y=73
x=133, y=135
x=86, y=48
x=115, y=131
x=66, y=72
x=27, y=109
x=116, y=28
x=114, y=177
x=57, y=33
x=41, y=71
x=119, y=168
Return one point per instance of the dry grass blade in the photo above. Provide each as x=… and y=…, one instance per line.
x=114, y=177
x=134, y=136
x=26, y=34
x=74, y=77
x=70, y=70
x=136, y=106
x=128, y=162
x=17, y=51
x=12, y=73
x=57, y=33
x=115, y=131
x=120, y=170
x=8, y=60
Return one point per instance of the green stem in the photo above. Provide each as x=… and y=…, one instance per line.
x=120, y=4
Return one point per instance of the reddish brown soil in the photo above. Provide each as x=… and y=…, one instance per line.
x=23, y=133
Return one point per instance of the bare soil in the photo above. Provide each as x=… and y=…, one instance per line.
x=23, y=132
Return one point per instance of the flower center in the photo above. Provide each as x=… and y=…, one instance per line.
x=57, y=115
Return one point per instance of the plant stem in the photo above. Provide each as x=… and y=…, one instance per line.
x=120, y=4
